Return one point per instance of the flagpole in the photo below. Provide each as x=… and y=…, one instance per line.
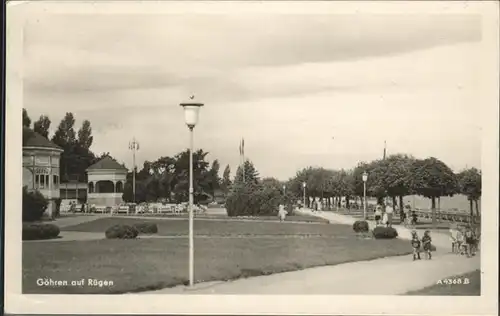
x=243, y=156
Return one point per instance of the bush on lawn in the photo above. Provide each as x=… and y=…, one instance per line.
x=34, y=205
x=385, y=233
x=146, y=228
x=32, y=231
x=121, y=232
x=360, y=226
x=250, y=199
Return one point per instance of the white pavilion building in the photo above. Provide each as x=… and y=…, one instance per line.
x=106, y=180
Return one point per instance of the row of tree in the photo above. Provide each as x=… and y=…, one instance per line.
x=167, y=179
x=395, y=177
x=77, y=155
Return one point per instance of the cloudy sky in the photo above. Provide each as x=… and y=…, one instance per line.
x=322, y=90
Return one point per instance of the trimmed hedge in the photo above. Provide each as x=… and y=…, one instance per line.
x=384, y=232
x=251, y=199
x=360, y=226
x=121, y=232
x=32, y=231
x=34, y=205
x=146, y=228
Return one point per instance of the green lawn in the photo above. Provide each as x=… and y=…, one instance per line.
x=147, y=264
x=290, y=218
x=179, y=227
x=471, y=289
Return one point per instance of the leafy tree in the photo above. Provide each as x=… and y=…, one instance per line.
x=26, y=119
x=85, y=137
x=65, y=133
x=251, y=174
x=215, y=181
x=393, y=175
x=27, y=134
x=226, y=180
x=42, y=126
x=201, y=176
x=357, y=180
x=432, y=178
x=470, y=185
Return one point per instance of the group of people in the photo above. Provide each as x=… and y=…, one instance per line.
x=418, y=244
x=384, y=215
x=464, y=240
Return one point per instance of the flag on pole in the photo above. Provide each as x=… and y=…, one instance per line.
x=243, y=147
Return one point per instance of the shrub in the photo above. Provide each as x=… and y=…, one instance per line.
x=146, y=228
x=250, y=199
x=34, y=205
x=360, y=226
x=121, y=232
x=385, y=233
x=32, y=231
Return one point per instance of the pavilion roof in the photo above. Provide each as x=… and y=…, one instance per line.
x=106, y=163
x=34, y=139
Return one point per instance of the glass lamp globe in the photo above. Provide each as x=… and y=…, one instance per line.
x=365, y=176
x=191, y=110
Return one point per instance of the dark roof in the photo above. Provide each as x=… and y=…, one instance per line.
x=107, y=163
x=33, y=139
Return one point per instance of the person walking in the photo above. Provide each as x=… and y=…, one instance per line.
x=426, y=241
x=282, y=213
x=415, y=244
x=389, y=210
x=378, y=214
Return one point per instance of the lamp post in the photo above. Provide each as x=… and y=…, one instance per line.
x=191, y=110
x=134, y=146
x=304, y=184
x=365, y=178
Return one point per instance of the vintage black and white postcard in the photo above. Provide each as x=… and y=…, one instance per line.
x=252, y=157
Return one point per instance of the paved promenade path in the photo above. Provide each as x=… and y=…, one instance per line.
x=386, y=276
x=440, y=239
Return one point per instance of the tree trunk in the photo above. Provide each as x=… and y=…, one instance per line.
x=394, y=203
x=471, y=208
x=477, y=208
x=433, y=210
x=347, y=202
x=439, y=208
x=401, y=204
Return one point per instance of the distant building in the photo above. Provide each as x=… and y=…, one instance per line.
x=41, y=160
x=106, y=180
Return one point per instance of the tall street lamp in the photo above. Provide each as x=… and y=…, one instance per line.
x=134, y=146
x=191, y=110
x=304, y=184
x=365, y=178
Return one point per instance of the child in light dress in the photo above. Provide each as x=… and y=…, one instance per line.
x=282, y=213
x=415, y=244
